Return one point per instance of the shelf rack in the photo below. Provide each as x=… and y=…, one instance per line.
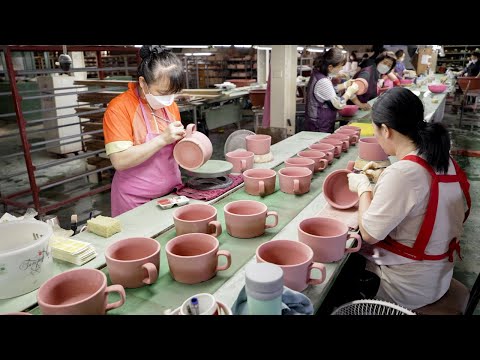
x=25, y=125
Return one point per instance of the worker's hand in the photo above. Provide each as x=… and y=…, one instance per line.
x=174, y=131
x=373, y=171
x=358, y=183
x=380, y=83
x=364, y=106
x=351, y=90
x=348, y=83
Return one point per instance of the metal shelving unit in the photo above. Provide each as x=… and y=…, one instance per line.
x=456, y=55
x=26, y=124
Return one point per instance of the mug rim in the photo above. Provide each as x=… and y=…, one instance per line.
x=170, y=243
x=175, y=216
x=102, y=287
x=323, y=218
x=311, y=161
x=108, y=250
x=258, y=137
x=309, y=249
x=295, y=169
x=243, y=201
x=231, y=154
x=259, y=169
x=312, y=156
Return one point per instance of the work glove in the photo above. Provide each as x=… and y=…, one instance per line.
x=373, y=171
x=348, y=83
x=351, y=90
x=359, y=183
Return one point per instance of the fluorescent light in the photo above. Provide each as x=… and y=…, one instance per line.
x=343, y=51
x=259, y=47
x=243, y=46
x=198, y=54
x=187, y=46
x=221, y=45
x=300, y=48
x=315, y=50
x=138, y=45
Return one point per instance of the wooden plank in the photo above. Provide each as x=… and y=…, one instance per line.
x=97, y=98
x=202, y=91
x=95, y=82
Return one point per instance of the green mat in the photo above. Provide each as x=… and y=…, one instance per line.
x=167, y=293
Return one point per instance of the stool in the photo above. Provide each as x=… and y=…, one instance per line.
x=454, y=302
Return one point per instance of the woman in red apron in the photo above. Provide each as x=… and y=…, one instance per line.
x=412, y=220
x=141, y=127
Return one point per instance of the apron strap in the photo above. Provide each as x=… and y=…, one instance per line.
x=145, y=116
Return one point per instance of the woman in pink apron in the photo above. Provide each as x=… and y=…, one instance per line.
x=412, y=220
x=141, y=127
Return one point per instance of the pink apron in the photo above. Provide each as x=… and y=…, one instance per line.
x=155, y=177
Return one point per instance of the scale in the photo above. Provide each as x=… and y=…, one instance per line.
x=210, y=176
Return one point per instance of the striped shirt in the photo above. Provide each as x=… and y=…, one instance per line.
x=325, y=91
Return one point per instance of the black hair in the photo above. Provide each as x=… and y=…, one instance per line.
x=158, y=61
x=399, y=53
x=354, y=55
x=334, y=57
x=386, y=55
x=476, y=53
x=401, y=110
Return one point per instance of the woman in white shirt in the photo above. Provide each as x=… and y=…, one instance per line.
x=411, y=221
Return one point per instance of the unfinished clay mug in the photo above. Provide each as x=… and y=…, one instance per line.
x=247, y=218
x=296, y=261
x=301, y=162
x=133, y=262
x=327, y=237
x=197, y=218
x=343, y=138
x=295, y=180
x=336, y=190
x=328, y=149
x=241, y=160
x=259, y=181
x=194, y=150
x=319, y=157
x=78, y=292
x=336, y=143
x=259, y=144
x=193, y=258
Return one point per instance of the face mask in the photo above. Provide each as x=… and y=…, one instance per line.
x=159, y=101
x=383, y=69
x=474, y=61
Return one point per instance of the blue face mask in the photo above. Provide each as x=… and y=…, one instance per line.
x=383, y=69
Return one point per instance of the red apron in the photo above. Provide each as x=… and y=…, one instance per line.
x=155, y=177
x=417, y=252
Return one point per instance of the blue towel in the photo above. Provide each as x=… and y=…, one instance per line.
x=293, y=303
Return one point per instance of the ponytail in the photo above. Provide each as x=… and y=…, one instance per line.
x=401, y=110
x=434, y=144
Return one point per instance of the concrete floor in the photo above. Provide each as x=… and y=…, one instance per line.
x=466, y=138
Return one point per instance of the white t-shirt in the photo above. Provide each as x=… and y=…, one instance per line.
x=398, y=207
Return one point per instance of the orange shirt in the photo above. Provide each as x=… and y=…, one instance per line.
x=123, y=122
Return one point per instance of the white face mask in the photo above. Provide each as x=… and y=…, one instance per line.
x=383, y=69
x=159, y=101
x=474, y=61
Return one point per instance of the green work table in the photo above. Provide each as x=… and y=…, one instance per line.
x=149, y=220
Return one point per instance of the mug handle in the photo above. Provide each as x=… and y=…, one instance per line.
x=227, y=254
x=296, y=186
x=354, y=140
x=244, y=165
x=345, y=145
x=323, y=162
x=84, y=228
x=118, y=289
x=320, y=267
x=350, y=165
x=359, y=243
x=329, y=155
x=275, y=223
x=261, y=187
x=217, y=228
x=152, y=273
x=191, y=128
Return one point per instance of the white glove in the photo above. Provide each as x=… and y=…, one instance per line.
x=380, y=83
x=351, y=90
x=373, y=171
x=348, y=83
x=359, y=183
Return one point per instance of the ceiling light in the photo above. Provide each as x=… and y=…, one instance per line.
x=187, y=46
x=315, y=50
x=260, y=47
x=300, y=48
x=243, y=46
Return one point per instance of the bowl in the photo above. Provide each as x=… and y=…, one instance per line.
x=348, y=110
x=437, y=88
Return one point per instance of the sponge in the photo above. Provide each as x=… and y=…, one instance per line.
x=104, y=226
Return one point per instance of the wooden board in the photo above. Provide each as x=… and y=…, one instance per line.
x=96, y=116
x=97, y=98
x=103, y=82
x=216, y=92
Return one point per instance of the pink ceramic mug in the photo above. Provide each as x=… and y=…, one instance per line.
x=335, y=142
x=133, y=262
x=193, y=258
x=247, y=218
x=369, y=149
x=318, y=156
x=352, y=134
x=194, y=150
x=327, y=237
x=357, y=129
x=258, y=144
x=296, y=261
x=301, y=162
x=295, y=180
x=78, y=292
x=241, y=160
x=336, y=190
x=197, y=218
x=259, y=181
x=328, y=149
x=344, y=139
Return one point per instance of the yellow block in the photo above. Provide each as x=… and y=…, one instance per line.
x=367, y=128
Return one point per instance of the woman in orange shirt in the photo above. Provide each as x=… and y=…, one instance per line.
x=140, y=128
